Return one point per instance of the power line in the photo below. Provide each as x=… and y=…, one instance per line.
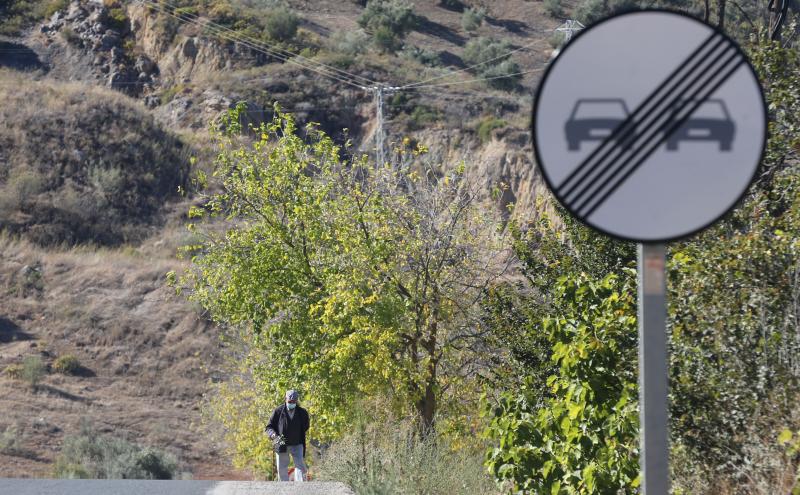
x=265, y=48
x=470, y=80
x=284, y=51
x=452, y=72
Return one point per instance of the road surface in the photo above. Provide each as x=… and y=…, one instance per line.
x=145, y=487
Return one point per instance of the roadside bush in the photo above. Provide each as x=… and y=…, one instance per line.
x=390, y=457
x=492, y=61
x=33, y=370
x=66, y=364
x=93, y=456
x=281, y=23
x=472, y=19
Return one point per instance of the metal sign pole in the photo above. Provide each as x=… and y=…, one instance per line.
x=653, y=366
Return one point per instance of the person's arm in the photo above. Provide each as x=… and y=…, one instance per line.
x=307, y=424
x=272, y=426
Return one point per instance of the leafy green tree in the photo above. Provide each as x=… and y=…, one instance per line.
x=582, y=437
x=347, y=279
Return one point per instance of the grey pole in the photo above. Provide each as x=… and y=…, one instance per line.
x=654, y=454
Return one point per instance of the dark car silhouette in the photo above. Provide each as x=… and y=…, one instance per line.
x=594, y=119
x=710, y=122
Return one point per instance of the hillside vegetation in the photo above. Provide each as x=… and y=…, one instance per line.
x=80, y=164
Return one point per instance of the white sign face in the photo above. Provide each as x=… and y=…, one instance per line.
x=649, y=126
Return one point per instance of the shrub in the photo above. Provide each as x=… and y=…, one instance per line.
x=396, y=15
x=472, y=19
x=421, y=55
x=281, y=24
x=490, y=57
x=486, y=127
x=389, y=21
x=554, y=8
x=118, y=19
x=385, y=40
x=349, y=42
x=590, y=11
x=70, y=36
x=13, y=371
x=423, y=115
x=88, y=455
x=33, y=370
x=390, y=457
x=66, y=364
x=11, y=441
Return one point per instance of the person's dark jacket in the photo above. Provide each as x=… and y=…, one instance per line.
x=293, y=429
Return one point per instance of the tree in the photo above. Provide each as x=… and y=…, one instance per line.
x=583, y=436
x=348, y=280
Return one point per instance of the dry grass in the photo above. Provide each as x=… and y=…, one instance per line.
x=82, y=164
x=144, y=354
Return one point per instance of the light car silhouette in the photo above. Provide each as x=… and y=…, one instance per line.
x=595, y=119
x=710, y=122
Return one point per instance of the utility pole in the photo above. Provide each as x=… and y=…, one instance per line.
x=569, y=28
x=379, y=151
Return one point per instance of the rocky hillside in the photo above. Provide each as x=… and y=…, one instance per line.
x=109, y=101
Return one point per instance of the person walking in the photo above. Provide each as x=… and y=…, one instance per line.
x=287, y=429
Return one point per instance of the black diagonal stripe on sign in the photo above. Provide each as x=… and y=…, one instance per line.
x=627, y=127
x=699, y=78
x=672, y=128
x=652, y=109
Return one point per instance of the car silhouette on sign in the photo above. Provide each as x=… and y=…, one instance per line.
x=710, y=122
x=594, y=119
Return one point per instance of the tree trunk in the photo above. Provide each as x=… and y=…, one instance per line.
x=721, y=14
x=777, y=16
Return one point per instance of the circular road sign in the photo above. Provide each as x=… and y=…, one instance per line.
x=649, y=126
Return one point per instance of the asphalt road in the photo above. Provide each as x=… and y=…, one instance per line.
x=144, y=487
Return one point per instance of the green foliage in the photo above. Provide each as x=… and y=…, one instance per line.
x=591, y=11
x=421, y=55
x=335, y=272
x=281, y=23
x=19, y=15
x=33, y=370
x=486, y=127
x=13, y=371
x=89, y=455
x=554, y=8
x=734, y=346
x=349, y=42
x=791, y=442
x=66, y=364
x=388, y=456
x=118, y=19
x=389, y=21
x=422, y=116
x=492, y=61
x=583, y=438
x=472, y=19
